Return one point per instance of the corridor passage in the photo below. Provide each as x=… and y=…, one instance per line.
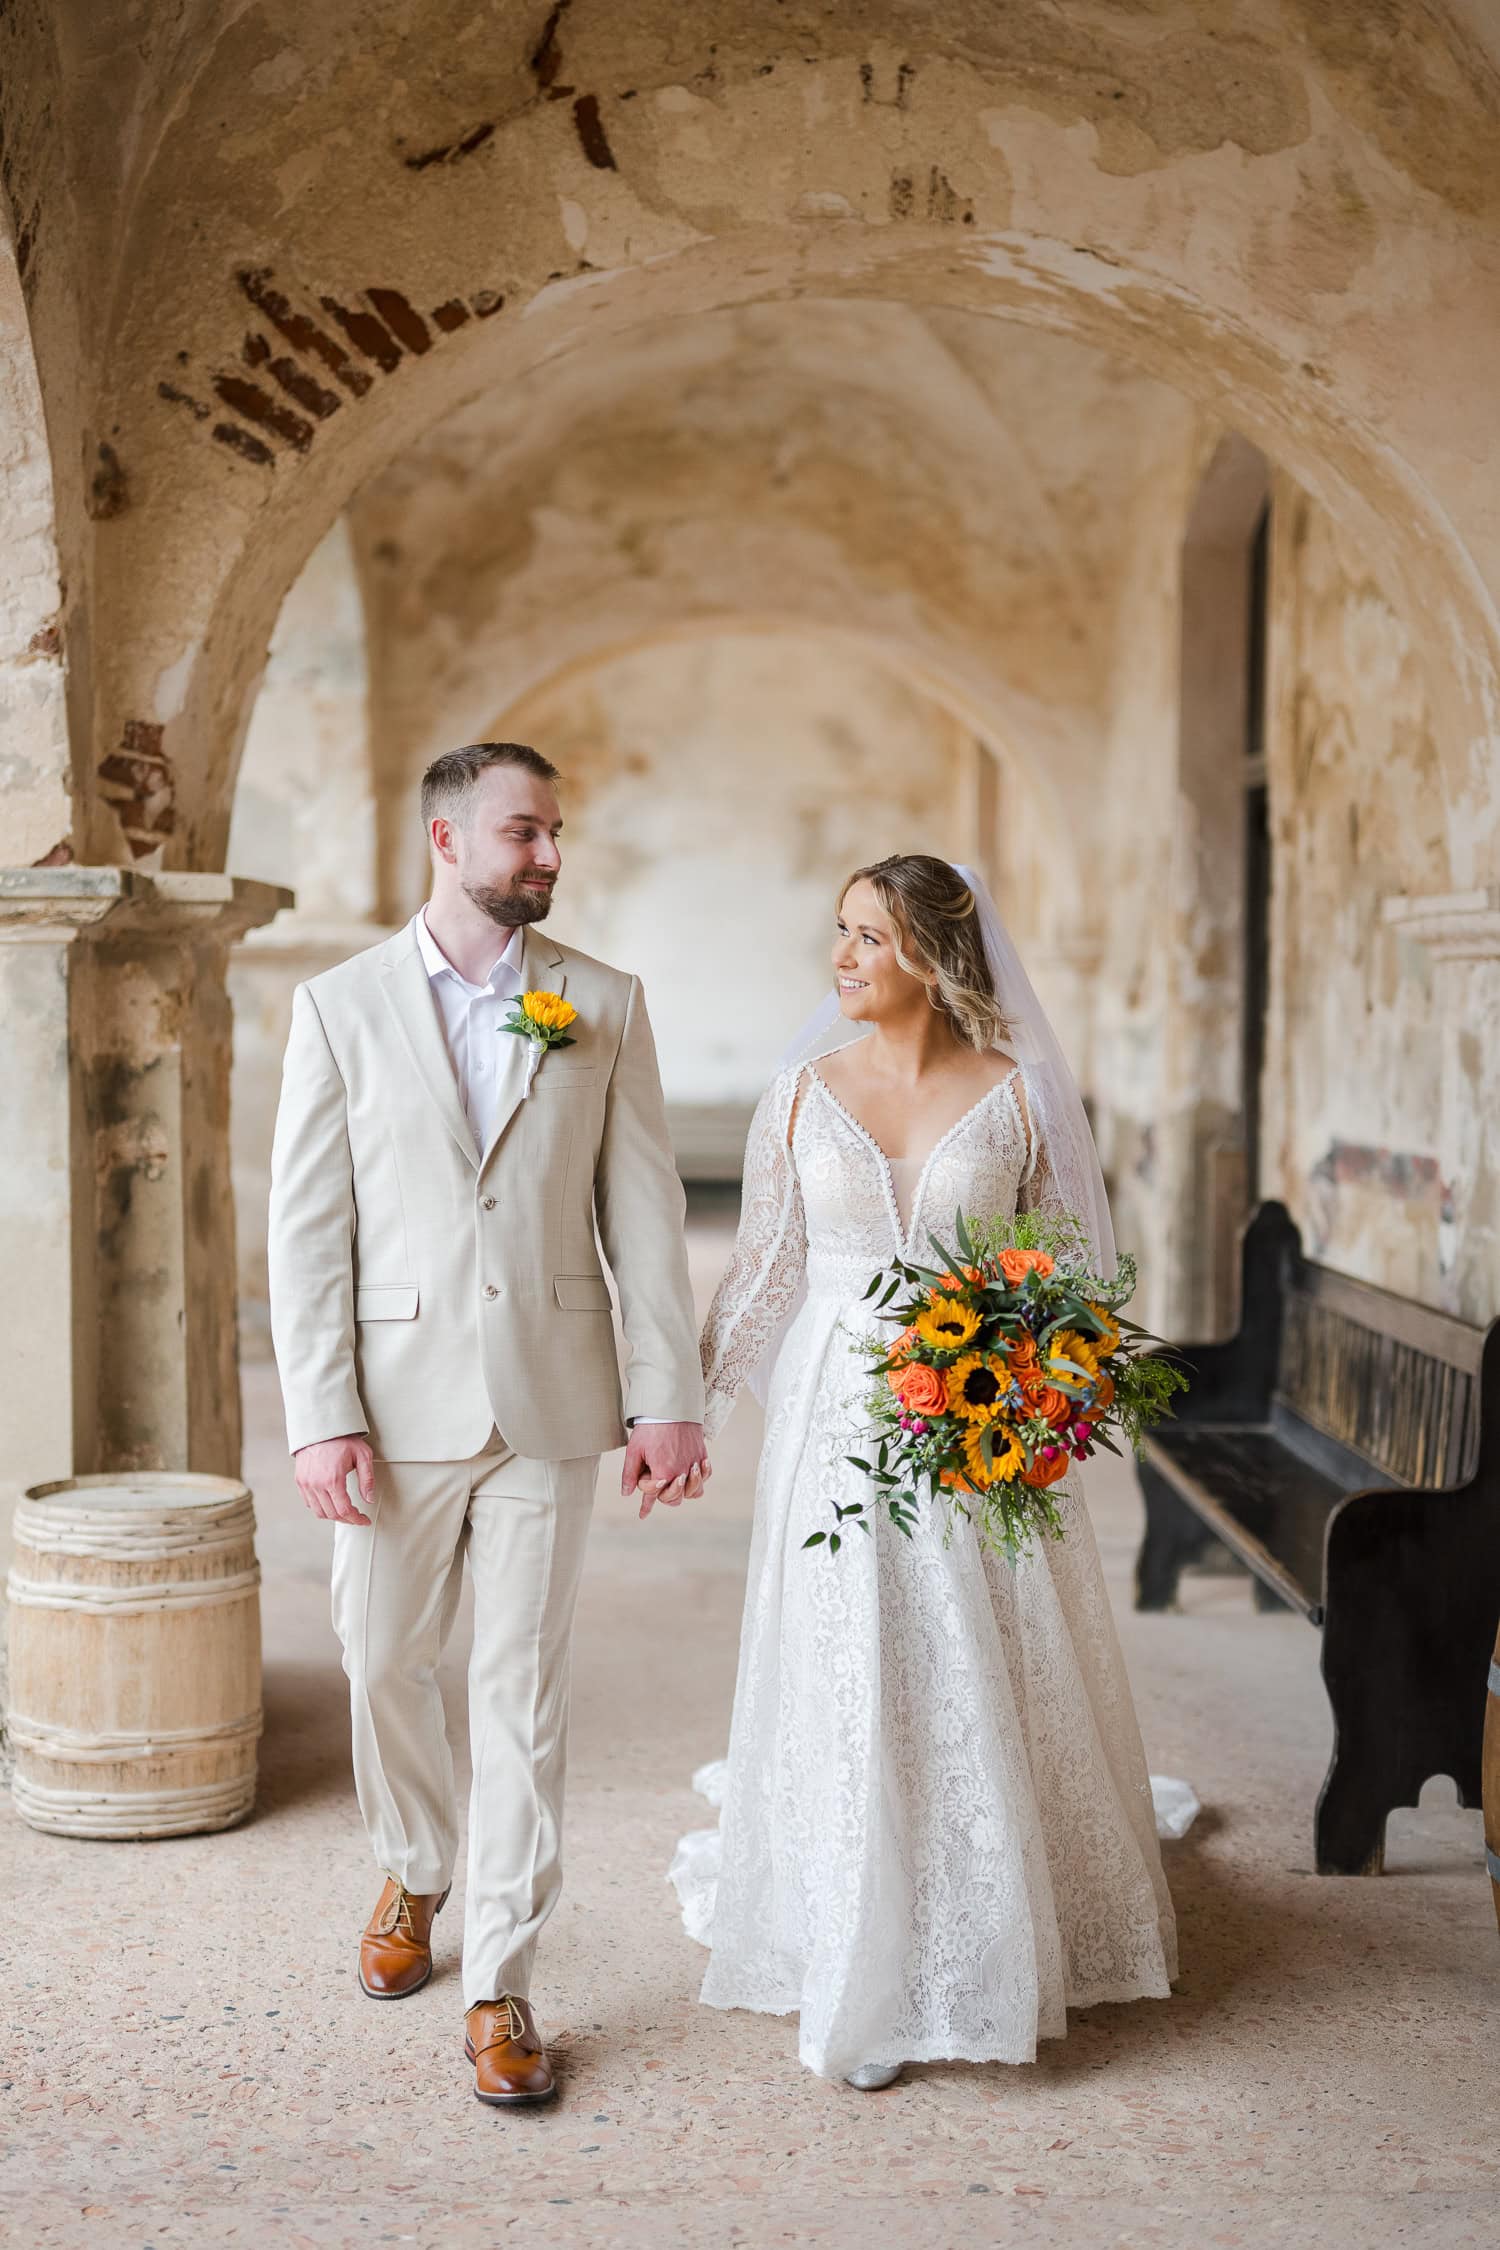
x=197, y=2064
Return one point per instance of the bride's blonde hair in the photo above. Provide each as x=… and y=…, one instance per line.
x=938, y=936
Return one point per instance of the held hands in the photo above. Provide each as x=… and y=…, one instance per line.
x=666, y=1461
x=323, y=1473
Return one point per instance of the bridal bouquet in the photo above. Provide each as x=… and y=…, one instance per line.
x=1011, y=1363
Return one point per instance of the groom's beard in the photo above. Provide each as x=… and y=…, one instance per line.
x=516, y=903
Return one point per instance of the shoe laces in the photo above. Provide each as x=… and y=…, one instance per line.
x=398, y=1915
x=514, y=2020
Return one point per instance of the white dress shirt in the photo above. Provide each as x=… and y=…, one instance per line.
x=488, y=1061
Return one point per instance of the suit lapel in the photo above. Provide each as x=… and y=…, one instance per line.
x=409, y=993
x=541, y=971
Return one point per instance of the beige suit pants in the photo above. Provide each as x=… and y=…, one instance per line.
x=523, y=1525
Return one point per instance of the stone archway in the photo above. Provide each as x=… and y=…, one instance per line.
x=1165, y=193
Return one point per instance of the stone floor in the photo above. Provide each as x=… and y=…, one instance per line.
x=191, y=2062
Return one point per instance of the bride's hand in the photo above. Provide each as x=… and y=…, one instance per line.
x=666, y=1461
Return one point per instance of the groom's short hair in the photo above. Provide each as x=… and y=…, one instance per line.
x=449, y=781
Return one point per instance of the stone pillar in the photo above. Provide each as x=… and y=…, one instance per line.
x=263, y=974
x=1460, y=933
x=117, y=1319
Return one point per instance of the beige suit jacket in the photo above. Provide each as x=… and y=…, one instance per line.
x=423, y=1290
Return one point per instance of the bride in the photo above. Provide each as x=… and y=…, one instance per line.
x=937, y=1828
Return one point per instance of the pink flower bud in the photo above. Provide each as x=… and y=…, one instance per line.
x=918, y=1428
x=1050, y=1452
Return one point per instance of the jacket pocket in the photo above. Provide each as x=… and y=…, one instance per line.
x=385, y=1300
x=581, y=1292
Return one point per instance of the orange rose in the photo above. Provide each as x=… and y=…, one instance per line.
x=901, y=1345
x=1022, y=1357
x=920, y=1389
x=1042, y=1473
x=1102, y=1400
x=1015, y=1265
x=1046, y=1399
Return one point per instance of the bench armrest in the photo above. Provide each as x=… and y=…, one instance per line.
x=1226, y=1383
x=1233, y=1381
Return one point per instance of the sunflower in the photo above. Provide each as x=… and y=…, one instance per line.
x=1007, y=1451
x=1107, y=1344
x=549, y=1010
x=947, y=1325
x=978, y=1386
x=1067, y=1344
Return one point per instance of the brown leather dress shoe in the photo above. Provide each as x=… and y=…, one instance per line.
x=395, y=1951
x=510, y=2062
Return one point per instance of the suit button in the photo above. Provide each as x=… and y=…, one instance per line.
x=490, y=1290
x=489, y=1203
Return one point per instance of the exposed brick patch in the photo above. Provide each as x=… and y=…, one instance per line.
x=451, y=152
x=382, y=325
x=241, y=441
x=138, y=782
x=47, y=640
x=258, y=406
x=61, y=855
x=304, y=388
x=366, y=333
x=591, y=134
x=405, y=324
x=108, y=494
x=301, y=331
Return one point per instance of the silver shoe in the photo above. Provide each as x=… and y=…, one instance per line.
x=870, y=2077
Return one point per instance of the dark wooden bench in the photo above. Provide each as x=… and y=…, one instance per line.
x=1346, y=1446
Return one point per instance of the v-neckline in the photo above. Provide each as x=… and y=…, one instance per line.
x=903, y=1228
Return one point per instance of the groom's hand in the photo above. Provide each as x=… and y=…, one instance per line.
x=323, y=1476
x=666, y=1461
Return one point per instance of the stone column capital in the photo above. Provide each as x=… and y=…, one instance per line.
x=1453, y=925
x=52, y=904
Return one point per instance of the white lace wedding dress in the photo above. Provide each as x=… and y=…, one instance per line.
x=937, y=1828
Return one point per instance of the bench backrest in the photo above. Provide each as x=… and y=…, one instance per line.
x=1395, y=1381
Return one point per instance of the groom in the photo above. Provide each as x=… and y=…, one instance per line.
x=440, y=1192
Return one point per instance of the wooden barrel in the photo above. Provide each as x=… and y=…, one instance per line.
x=134, y=1655
x=1492, y=1776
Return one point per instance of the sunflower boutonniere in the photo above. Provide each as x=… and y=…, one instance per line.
x=543, y=1018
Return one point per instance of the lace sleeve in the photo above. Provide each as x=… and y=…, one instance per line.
x=765, y=1274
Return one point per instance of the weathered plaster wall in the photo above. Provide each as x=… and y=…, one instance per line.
x=1125, y=924
x=304, y=811
x=306, y=814
x=35, y=808
x=1355, y=1066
